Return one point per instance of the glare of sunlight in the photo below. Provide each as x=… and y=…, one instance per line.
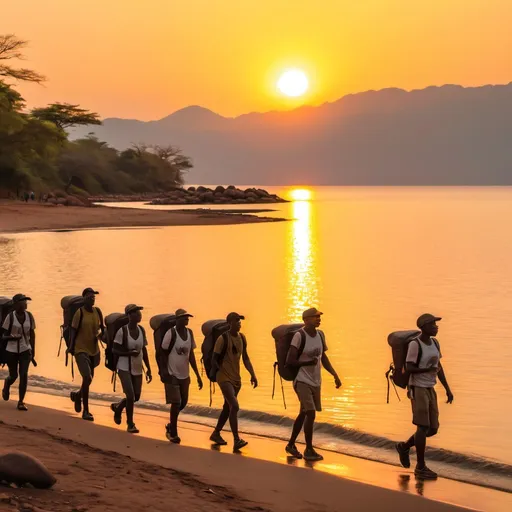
x=300, y=194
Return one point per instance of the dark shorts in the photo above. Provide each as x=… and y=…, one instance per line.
x=132, y=385
x=309, y=396
x=87, y=363
x=176, y=391
x=425, y=412
x=18, y=363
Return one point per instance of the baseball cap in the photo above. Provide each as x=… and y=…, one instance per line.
x=131, y=308
x=88, y=291
x=234, y=316
x=311, y=312
x=425, y=319
x=20, y=297
x=183, y=312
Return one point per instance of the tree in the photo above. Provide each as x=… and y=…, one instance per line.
x=65, y=115
x=11, y=49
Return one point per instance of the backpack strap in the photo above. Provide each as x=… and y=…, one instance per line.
x=420, y=350
x=302, y=345
x=31, y=319
x=244, y=341
x=100, y=315
x=436, y=343
x=322, y=337
x=11, y=322
x=125, y=346
x=225, y=337
x=144, y=338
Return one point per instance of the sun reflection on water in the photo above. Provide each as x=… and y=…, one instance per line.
x=302, y=259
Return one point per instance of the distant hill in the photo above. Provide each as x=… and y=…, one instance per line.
x=447, y=135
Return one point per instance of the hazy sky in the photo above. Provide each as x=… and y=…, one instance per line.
x=146, y=59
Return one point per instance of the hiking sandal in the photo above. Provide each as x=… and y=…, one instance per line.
x=22, y=406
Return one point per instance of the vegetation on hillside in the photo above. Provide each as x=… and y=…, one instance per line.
x=36, y=154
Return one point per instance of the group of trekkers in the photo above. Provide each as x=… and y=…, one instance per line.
x=300, y=360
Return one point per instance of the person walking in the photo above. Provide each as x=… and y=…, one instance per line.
x=308, y=354
x=229, y=348
x=19, y=333
x=423, y=362
x=130, y=347
x=86, y=326
x=180, y=344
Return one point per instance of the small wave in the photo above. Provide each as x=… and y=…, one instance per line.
x=336, y=432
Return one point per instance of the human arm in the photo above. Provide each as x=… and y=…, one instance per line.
x=73, y=330
x=292, y=359
x=217, y=351
x=326, y=363
x=119, y=347
x=444, y=382
x=145, y=357
x=248, y=366
x=6, y=327
x=32, y=341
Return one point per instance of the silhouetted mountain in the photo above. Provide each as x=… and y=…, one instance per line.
x=447, y=135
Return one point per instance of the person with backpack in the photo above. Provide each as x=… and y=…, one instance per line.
x=423, y=363
x=130, y=348
x=179, y=343
x=308, y=354
x=229, y=348
x=20, y=347
x=86, y=326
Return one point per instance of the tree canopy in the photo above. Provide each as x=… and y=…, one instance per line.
x=36, y=154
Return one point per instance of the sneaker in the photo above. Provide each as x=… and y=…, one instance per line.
x=217, y=439
x=87, y=416
x=132, y=429
x=312, y=456
x=76, y=398
x=174, y=439
x=22, y=406
x=6, y=392
x=403, y=452
x=118, y=415
x=291, y=449
x=425, y=473
x=239, y=444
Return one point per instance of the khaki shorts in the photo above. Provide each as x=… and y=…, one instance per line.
x=425, y=412
x=309, y=396
x=176, y=391
x=87, y=363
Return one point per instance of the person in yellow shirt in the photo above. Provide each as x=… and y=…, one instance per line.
x=229, y=348
x=86, y=327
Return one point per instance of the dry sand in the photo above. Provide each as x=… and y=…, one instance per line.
x=101, y=468
x=19, y=217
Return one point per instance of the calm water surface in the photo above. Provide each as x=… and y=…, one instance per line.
x=371, y=259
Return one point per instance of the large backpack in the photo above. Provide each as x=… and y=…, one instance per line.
x=70, y=304
x=160, y=325
x=283, y=335
x=212, y=329
x=399, y=343
x=6, y=306
x=113, y=323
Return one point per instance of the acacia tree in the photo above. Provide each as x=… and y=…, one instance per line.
x=65, y=115
x=11, y=49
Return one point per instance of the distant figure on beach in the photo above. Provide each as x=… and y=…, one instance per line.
x=32, y=196
x=130, y=347
x=424, y=364
x=26, y=196
x=86, y=326
x=230, y=347
x=19, y=332
x=180, y=344
x=308, y=353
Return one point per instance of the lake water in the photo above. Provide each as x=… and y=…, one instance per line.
x=372, y=259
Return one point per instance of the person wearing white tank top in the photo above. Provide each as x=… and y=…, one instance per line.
x=19, y=332
x=180, y=344
x=130, y=347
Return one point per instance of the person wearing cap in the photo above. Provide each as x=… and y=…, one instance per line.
x=423, y=362
x=130, y=347
x=86, y=327
x=229, y=348
x=180, y=344
x=308, y=354
x=19, y=335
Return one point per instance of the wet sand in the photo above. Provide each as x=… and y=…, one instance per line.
x=16, y=217
x=118, y=471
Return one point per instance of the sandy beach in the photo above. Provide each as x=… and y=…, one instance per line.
x=19, y=217
x=99, y=467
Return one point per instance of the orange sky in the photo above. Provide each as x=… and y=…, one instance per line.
x=146, y=59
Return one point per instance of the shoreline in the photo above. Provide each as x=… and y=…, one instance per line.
x=340, y=477
x=17, y=217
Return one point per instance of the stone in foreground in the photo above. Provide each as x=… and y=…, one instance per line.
x=20, y=469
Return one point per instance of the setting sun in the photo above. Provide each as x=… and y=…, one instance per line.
x=300, y=194
x=293, y=83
